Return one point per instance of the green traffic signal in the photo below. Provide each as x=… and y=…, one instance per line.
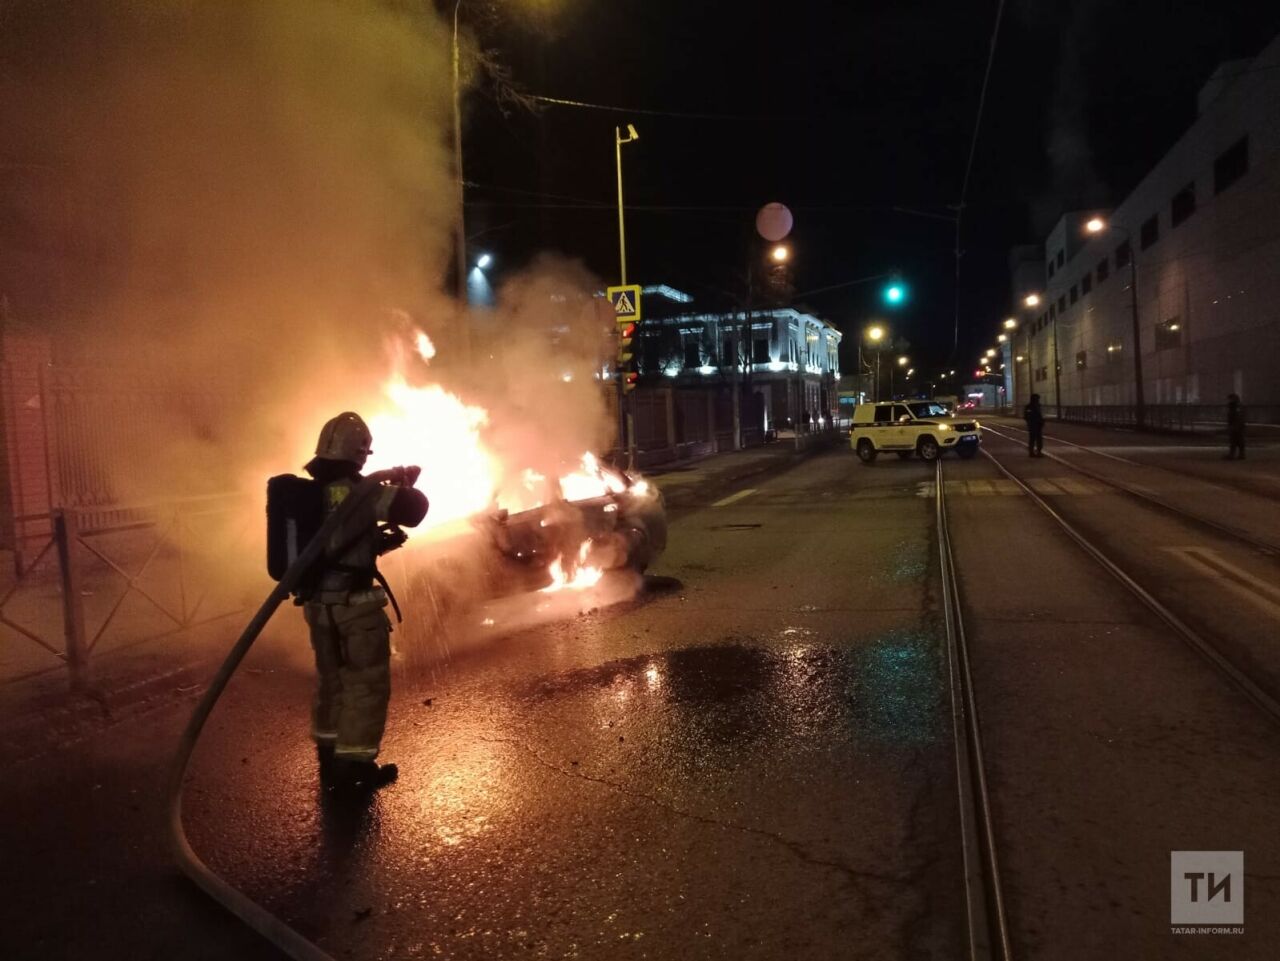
x=895, y=294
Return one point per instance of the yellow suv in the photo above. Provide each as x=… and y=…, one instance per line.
x=909, y=427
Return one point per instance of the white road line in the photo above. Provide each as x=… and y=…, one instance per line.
x=735, y=497
x=1240, y=582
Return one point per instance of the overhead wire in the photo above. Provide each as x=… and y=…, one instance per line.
x=968, y=167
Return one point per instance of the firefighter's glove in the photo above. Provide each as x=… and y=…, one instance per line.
x=389, y=538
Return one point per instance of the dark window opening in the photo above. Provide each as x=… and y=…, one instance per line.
x=1231, y=165
x=1104, y=269
x=1062, y=258
x=1051, y=268
x=760, y=354
x=1075, y=293
x=1062, y=304
x=1183, y=204
x=1124, y=254
x=1082, y=359
x=1053, y=312
x=1086, y=283
x=884, y=414
x=1150, y=231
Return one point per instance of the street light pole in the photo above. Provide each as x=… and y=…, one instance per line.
x=1097, y=225
x=460, y=221
x=618, y=141
x=625, y=404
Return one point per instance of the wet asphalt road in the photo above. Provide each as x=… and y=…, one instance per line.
x=751, y=760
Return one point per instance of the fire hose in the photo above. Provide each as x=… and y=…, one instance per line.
x=250, y=912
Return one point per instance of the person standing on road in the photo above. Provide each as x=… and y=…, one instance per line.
x=345, y=609
x=1235, y=428
x=1034, y=417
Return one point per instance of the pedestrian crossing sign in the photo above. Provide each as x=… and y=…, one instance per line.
x=626, y=302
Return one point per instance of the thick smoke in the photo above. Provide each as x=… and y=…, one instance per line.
x=257, y=196
x=249, y=209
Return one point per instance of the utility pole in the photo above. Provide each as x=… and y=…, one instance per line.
x=626, y=405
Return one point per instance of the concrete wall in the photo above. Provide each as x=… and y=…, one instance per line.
x=1216, y=275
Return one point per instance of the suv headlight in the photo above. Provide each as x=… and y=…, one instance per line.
x=944, y=427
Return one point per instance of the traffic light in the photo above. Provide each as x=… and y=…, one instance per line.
x=895, y=293
x=629, y=381
x=626, y=332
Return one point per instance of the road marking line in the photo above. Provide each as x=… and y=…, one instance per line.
x=1006, y=487
x=1072, y=486
x=980, y=487
x=1258, y=592
x=1042, y=485
x=735, y=497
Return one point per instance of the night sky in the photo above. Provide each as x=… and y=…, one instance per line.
x=844, y=112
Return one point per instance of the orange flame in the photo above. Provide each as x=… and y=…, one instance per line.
x=580, y=578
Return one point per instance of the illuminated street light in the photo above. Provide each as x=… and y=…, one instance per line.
x=895, y=294
x=991, y=352
x=910, y=371
x=1032, y=300
x=1095, y=225
x=1001, y=338
x=1019, y=358
x=484, y=261
x=780, y=254
x=1010, y=323
x=902, y=361
x=875, y=333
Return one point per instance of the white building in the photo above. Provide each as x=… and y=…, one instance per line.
x=786, y=361
x=1202, y=234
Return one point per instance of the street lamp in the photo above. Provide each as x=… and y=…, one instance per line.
x=618, y=141
x=1032, y=300
x=780, y=254
x=1010, y=323
x=484, y=260
x=1001, y=338
x=1097, y=225
x=875, y=333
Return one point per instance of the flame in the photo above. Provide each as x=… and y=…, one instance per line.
x=426, y=349
x=462, y=475
x=580, y=578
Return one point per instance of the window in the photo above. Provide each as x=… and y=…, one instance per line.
x=1114, y=350
x=1104, y=269
x=1062, y=258
x=1150, y=231
x=1183, y=204
x=1075, y=293
x=884, y=414
x=1062, y=304
x=1051, y=268
x=728, y=352
x=1053, y=312
x=1082, y=359
x=900, y=413
x=1086, y=284
x=1169, y=334
x=692, y=356
x=1231, y=165
x=760, y=350
x=1124, y=254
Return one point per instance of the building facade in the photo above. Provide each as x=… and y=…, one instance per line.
x=785, y=362
x=1200, y=236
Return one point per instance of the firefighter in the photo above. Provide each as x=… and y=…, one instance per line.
x=345, y=609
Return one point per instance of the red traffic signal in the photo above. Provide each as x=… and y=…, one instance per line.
x=629, y=381
x=626, y=331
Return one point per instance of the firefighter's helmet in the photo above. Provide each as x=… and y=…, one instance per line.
x=345, y=437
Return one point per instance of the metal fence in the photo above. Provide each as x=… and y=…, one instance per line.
x=1204, y=418
x=118, y=585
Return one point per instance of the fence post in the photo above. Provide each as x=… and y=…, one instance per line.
x=65, y=533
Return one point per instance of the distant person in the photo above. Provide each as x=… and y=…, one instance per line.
x=1034, y=417
x=1235, y=428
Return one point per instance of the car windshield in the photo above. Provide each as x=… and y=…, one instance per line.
x=928, y=410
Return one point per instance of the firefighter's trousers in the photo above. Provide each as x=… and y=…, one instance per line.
x=352, y=644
